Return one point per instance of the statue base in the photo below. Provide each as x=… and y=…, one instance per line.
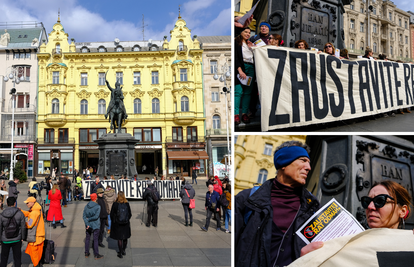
x=116, y=155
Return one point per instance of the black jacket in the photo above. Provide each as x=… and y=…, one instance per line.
x=94, y=187
x=147, y=195
x=104, y=214
x=120, y=231
x=253, y=241
x=8, y=213
x=238, y=62
x=13, y=189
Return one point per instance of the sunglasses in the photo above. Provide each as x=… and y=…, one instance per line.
x=379, y=201
x=328, y=46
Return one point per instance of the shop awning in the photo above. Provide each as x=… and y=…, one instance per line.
x=187, y=155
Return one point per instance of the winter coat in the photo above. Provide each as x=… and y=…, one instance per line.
x=120, y=231
x=91, y=215
x=214, y=198
x=62, y=183
x=110, y=197
x=95, y=186
x=31, y=184
x=8, y=213
x=33, y=216
x=103, y=214
x=194, y=174
x=228, y=197
x=253, y=241
x=13, y=189
x=147, y=195
x=218, y=189
x=55, y=209
x=183, y=194
x=77, y=192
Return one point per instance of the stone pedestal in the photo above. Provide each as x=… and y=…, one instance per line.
x=116, y=155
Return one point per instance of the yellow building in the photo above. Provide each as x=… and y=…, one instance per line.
x=163, y=96
x=253, y=158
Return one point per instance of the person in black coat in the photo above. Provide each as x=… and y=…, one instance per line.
x=187, y=193
x=152, y=206
x=120, y=231
x=103, y=216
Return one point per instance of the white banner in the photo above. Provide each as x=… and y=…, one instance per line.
x=135, y=189
x=300, y=87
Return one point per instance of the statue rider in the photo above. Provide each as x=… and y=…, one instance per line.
x=115, y=93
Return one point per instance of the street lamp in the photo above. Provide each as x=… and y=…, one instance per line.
x=13, y=75
x=225, y=73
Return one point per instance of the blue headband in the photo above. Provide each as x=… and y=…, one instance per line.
x=287, y=155
x=266, y=24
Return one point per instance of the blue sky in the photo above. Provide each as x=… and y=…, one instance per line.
x=103, y=20
x=406, y=5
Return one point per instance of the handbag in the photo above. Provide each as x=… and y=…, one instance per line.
x=192, y=201
x=31, y=232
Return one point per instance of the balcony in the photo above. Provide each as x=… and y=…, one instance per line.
x=19, y=138
x=384, y=37
x=217, y=132
x=182, y=50
x=26, y=109
x=180, y=84
x=43, y=141
x=184, y=118
x=55, y=120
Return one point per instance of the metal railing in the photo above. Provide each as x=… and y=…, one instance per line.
x=45, y=141
x=19, y=138
x=184, y=139
x=216, y=132
x=26, y=108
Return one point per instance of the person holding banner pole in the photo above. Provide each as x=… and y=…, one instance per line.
x=244, y=64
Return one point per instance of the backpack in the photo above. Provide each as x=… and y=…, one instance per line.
x=155, y=195
x=12, y=228
x=122, y=215
x=35, y=187
x=223, y=200
x=248, y=211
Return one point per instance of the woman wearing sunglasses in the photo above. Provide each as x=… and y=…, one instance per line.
x=387, y=205
x=328, y=48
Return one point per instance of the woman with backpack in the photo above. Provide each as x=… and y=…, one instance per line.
x=33, y=191
x=120, y=225
x=55, y=210
x=187, y=193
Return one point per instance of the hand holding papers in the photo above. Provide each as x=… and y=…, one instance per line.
x=246, y=81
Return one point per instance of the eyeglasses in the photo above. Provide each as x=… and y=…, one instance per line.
x=270, y=38
x=328, y=46
x=379, y=201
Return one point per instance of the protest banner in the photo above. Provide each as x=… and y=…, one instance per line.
x=135, y=189
x=329, y=222
x=300, y=87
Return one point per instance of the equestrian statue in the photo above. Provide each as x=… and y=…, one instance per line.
x=116, y=109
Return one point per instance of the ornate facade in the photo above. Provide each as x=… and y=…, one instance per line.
x=163, y=96
x=253, y=158
x=388, y=29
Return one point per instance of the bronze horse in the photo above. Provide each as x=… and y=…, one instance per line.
x=116, y=109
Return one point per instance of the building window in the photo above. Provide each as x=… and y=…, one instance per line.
x=361, y=27
x=120, y=77
x=180, y=45
x=84, y=50
x=374, y=11
x=184, y=104
x=63, y=136
x=405, y=24
x=155, y=105
x=49, y=135
x=374, y=28
x=391, y=52
x=136, y=48
x=147, y=134
x=19, y=128
x=55, y=106
x=375, y=47
x=89, y=135
x=101, y=106
x=137, y=106
x=391, y=35
x=56, y=77
x=406, y=39
x=177, y=134
x=57, y=48
x=362, y=46
x=215, y=95
x=101, y=49
x=192, y=134
x=390, y=15
x=352, y=23
x=401, y=39
x=84, y=79
x=362, y=9
x=268, y=149
x=352, y=6
x=213, y=66
x=84, y=107
x=154, y=76
x=262, y=176
x=101, y=78
x=216, y=122
x=183, y=75
x=154, y=48
x=137, y=77
x=119, y=49
x=23, y=72
x=400, y=22
x=21, y=103
x=352, y=44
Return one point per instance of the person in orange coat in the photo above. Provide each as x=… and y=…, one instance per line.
x=34, y=218
x=55, y=209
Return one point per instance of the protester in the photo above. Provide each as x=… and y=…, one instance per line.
x=35, y=223
x=79, y=181
x=216, y=178
x=227, y=210
x=68, y=190
x=97, y=184
x=13, y=192
x=33, y=191
x=75, y=174
x=329, y=48
x=110, y=197
x=187, y=193
x=275, y=39
x=344, y=54
x=301, y=44
x=368, y=53
x=48, y=187
x=210, y=181
x=264, y=33
x=287, y=204
x=212, y=205
x=62, y=186
x=121, y=228
x=194, y=176
x=152, y=197
x=77, y=193
x=11, y=238
x=244, y=65
x=103, y=216
x=91, y=214
x=156, y=172
x=2, y=197
x=55, y=209
x=239, y=27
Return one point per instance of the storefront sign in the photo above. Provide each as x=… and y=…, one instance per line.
x=30, y=152
x=299, y=87
x=88, y=147
x=148, y=147
x=21, y=146
x=135, y=189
